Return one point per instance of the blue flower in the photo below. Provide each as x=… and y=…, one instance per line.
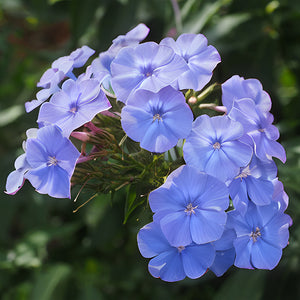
x=15, y=179
x=148, y=66
x=60, y=68
x=73, y=106
x=261, y=235
x=190, y=207
x=52, y=158
x=200, y=58
x=213, y=146
x=237, y=87
x=248, y=104
x=157, y=120
x=173, y=263
x=225, y=253
x=101, y=65
x=254, y=182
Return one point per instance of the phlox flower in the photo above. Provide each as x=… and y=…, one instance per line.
x=250, y=106
x=190, y=207
x=254, y=182
x=157, y=120
x=261, y=234
x=15, y=179
x=173, y=263
x=213, y=146
x=48, y=163
x=76, y=104
x=200, y=58
x=60, y=68
x=52, y=158
x=237, y=88
x=148, y=66
x=101, y=65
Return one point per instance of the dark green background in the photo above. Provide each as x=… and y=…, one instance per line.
x=46, y=251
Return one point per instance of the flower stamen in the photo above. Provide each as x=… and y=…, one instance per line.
x=217, y=145
x=190, y=209
x=52, y=161
x=256, y=234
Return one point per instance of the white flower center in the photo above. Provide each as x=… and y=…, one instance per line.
x=52, y=161
x=157, y=117
x=255, y=235
x=180, y=248
x=217, y=145
x=244, y=173
x=190, y=209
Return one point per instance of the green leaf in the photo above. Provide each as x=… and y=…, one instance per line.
x=131, y=202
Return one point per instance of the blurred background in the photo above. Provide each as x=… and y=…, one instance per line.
x=49, y=252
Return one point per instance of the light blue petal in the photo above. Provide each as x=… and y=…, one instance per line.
x=197, y=259
x=176, y=228
x=167, y=266
x=151, y=240
x=264, y=255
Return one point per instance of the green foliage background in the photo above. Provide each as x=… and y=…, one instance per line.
x=49, y=252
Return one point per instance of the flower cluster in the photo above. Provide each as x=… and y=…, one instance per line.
x=225, y=206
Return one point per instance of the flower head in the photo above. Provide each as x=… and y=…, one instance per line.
x=52, y=158
x=148, y=66
x=157, y=120
x=173, y=263
x=73, y=106
x=60, y=68
x=213, y=146
x=190, y=207
x=101, y=65
x=200, y=58
x=261, y=235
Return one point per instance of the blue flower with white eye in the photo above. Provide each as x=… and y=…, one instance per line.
x=200, y=58
x=157, y=120
x=190, y=207
x=101, y=65
x=173, y=263
x=76, y=104
x=261, y=234
x=213, y=146
x=254, y=182
x=48, y=163
x=52, y=159
x=60, y=68
x=248, y=104
x=148, y=66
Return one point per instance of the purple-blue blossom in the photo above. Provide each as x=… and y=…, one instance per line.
x=173, y=263
x=101, y=65
x=201, y=59
x=213, y=146
x=148, y=66
x=254, y=182
x=60, y=68
x=250, y=106
x=157, y=120
x=76, y=104
x=262, y=233
x=48, y=163
x=190, y=207
x=52, y=159
x=15, y=179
